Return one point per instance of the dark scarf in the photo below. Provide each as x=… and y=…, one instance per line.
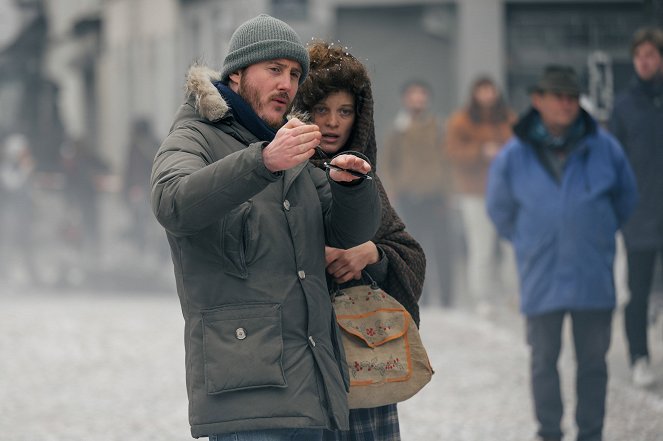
x=556, y=149
x=244, y=113
x=539, y=135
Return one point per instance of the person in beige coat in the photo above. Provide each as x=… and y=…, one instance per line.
x=415, y=175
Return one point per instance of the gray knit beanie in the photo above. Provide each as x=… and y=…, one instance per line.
x=264, y=38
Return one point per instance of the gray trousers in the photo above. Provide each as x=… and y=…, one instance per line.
x=591, y=336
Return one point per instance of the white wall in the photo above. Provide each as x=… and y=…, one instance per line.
x=136, y=70
x=62, y=55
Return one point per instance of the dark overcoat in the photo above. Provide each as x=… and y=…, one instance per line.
x=637, y=122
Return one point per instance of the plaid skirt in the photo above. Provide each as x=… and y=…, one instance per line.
x=374, y=424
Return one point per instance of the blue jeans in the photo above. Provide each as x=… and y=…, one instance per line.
x=591, y=337
x=270, y=435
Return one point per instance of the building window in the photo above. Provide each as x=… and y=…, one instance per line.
x=290, y=10
x=546, y=33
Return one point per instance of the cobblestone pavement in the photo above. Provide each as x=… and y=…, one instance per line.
x=83, y=366
x=480, y=390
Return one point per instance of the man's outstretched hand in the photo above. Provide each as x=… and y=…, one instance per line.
x=293, y=144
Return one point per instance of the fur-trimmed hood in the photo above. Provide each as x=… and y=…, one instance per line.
x=208, y=101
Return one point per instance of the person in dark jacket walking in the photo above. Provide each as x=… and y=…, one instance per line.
x=637, y=121
x=338, y=97
x=136, y=185
x=247, y=218
x=559, y=191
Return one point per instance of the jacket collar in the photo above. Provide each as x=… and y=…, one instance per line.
x=244, y=113
x=208, y=101
x=652, y=89
x=522, y=127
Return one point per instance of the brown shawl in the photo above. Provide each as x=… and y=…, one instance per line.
x=332, y=69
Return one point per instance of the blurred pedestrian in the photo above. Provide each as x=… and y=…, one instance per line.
x=338, y=96
x=143, y=145
x=247, y=218
x=83, y=171
x=17, y=167
x=637, y=121
x=416, y=177
x=559, y=191
x=474, y=136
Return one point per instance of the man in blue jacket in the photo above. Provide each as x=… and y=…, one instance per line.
x=559, y=191
x=637, y=121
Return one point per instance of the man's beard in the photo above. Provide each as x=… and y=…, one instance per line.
x=251, y=96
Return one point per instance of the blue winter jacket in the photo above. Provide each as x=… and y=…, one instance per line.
x=563, y=232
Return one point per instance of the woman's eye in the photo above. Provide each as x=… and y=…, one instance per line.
x=319, y=110
x=347, y=112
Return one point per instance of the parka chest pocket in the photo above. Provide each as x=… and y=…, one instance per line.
x=243, y=347
x=236, y=240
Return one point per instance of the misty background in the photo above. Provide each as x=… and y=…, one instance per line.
x=91, y=87
x=78, y=76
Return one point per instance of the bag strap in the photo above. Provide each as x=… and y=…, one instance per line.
x=372, y=282
x=335, y=288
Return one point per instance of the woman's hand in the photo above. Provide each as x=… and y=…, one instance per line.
x=348, y=162
x=345, y=265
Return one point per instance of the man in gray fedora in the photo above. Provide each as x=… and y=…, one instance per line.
x=559, y=191
x=247, y=217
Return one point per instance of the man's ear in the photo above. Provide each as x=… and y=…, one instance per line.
x=234, y=79
x=535, y=99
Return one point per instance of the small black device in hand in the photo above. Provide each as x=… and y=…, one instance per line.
x=352, y=172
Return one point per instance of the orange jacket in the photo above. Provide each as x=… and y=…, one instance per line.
x=465, y=145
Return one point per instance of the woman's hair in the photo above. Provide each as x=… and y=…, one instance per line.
x=499, y=112
x=334, y=69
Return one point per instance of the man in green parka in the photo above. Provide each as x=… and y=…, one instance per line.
x=247, y=218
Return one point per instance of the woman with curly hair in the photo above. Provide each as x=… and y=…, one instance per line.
x=337, y=95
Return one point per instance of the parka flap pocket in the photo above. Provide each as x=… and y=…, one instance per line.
x=243, y=347
x=376, y=327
